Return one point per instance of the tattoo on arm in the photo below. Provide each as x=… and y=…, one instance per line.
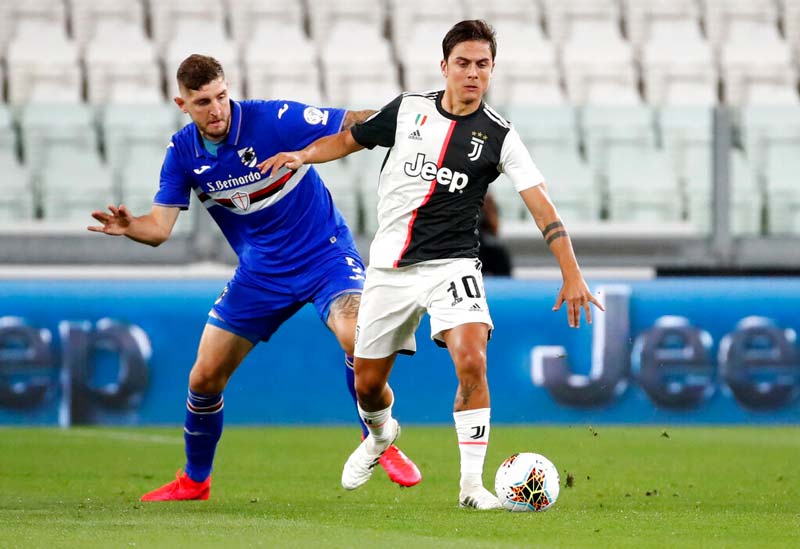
x=555, y=236
x=550, y=233
x=346, y=306
x=351, y=118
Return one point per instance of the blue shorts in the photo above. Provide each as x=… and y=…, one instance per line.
x=254, y=307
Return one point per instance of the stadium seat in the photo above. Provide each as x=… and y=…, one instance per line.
x=763, y=127
x=745, y=195
x=74, y=184
x=45, y=128
x=791, y=24
x=43, y=65
x=206, y=38
x=326, y=17
x=366, y=165
x=757, y=57
x=17, y=199
x=8, y=137
x=646, y=19
x=527, y=71
x=420, y=56
x=771, y=138
x=347, y=83
x=343, y=186
x=782, y=190
x=728, y=19
x=686, y=134
x=678, y=67
x=257, y=20
x=122, y=66
x=17, y=203
x=599, y=66
x=607, y=127
x=141, y=126
x=412, y=20
x=293, y=75
x=16, y=17
x=176, y=17
x=90, y=18
x=570, y=183
x=642, y=186
x=569, y=19
x=522, y=12
x=551, y=127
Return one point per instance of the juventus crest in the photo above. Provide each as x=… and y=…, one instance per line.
x=478, y=140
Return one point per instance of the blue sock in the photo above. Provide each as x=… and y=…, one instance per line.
x=201, y=432
x=350, y=377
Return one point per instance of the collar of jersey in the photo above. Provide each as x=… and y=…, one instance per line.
x=233, y=134
x=452, y=116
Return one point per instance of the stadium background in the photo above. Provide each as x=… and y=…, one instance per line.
x=669, y=132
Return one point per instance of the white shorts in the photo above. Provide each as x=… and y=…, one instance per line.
x=394, y=300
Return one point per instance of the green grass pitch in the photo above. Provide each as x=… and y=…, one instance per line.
x=279, y=487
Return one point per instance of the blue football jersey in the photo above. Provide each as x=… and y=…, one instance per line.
x=273, y=224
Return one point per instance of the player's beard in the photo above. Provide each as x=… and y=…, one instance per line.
x=213, y=133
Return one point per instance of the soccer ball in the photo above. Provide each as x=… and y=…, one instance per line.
x=527, y=482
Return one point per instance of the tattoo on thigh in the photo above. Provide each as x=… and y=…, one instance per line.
x=346, y=306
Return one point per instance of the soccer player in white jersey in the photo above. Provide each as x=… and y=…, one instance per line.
x=445, y=148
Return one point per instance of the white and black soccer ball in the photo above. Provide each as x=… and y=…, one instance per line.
x=527, y=482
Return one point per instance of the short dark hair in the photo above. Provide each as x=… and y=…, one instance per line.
x=198, y=70
x=472, y=29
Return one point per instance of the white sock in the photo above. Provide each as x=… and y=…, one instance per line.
x=376, y=422
x=472, y=428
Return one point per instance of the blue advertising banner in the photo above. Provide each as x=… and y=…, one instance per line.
x=693, y=351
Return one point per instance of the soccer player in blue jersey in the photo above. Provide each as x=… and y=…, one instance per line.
x=293, y=245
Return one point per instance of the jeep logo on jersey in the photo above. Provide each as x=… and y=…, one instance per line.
x=241, y=200
x=248, y=157
x=429, y=171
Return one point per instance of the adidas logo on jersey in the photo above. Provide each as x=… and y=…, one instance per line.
x=415, y=135
x=475, y=307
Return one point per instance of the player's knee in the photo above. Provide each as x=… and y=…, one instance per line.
x=368, y=387
x=205, y=379
x=470, y=363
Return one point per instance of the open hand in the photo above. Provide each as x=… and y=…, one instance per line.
x=115, y=223
x=577, y=295
x=292, y=160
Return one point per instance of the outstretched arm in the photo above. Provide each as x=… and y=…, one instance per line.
x=324, y=149
x=153, y=228
x=574, y=290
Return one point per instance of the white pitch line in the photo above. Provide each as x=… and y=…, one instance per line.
x=124, y=436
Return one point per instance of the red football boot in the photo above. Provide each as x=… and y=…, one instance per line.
x=182, y=488
x=399, y=467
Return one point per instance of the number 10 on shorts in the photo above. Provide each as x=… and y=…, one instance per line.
x=470, y=287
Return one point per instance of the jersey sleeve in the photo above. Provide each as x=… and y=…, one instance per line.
x=517, y=164
x=299, y=124
x=378, y=129
x=174, y=187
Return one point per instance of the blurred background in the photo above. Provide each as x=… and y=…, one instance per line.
x=668, y=132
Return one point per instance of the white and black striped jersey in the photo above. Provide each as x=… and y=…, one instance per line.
x=436, y=174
